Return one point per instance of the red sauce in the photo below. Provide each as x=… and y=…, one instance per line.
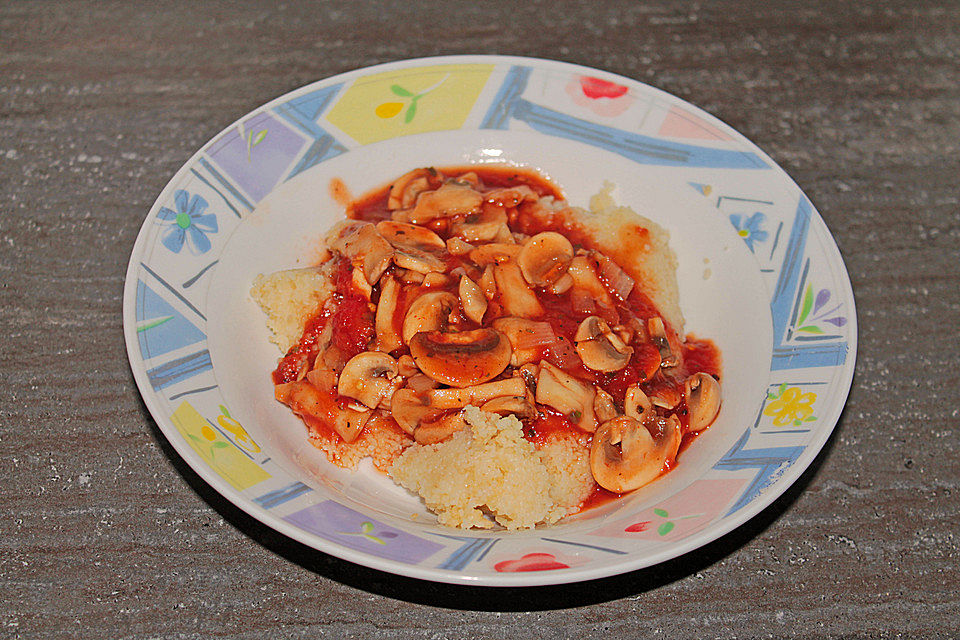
x=353, y=320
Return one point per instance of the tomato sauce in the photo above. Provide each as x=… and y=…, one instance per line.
x=353, y=326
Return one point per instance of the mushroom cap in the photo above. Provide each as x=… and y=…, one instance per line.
x=636, y=404
x=544, y=258
x=519, y=406
x=624, y=455
x=461, y=359
x=599, y=347
x=367, y=377
x=404, y=235
x=408, y=408
x=702, y=393
x=428, y=312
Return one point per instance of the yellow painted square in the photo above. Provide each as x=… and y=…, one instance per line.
x=220, y=454
x=399, y=103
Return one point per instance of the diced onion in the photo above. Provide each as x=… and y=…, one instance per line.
x=562, y=354
x=537, y=334
x=616, y=278
x=582, y=301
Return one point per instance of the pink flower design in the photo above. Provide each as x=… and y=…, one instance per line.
x=531, y=562
x=638, y=526
x=603, y=97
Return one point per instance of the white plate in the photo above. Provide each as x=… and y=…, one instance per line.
x=759, y=273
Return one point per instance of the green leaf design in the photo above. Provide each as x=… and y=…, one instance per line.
x=660, y=512
x=219, y=444
x=258, y=138
x=807, y=304
x=665, y=528
x=194, y=438
x=224, y=411
x=411, y=112
x=152, y=323
x=374, y=539
x=810, y=329
x=810, y=419
x=400, y=91
x=366, y=527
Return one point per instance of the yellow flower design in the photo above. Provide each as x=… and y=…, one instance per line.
x=790, y=406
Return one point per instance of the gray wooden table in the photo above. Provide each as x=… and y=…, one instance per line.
x=104, y=530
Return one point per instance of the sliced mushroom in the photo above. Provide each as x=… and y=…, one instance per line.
x=408, y=368
x=545, y=258
x=435, y=279
x=515, y=296
x=367, y=377
x=408, y=408
x=360, y=283
x=404, y=192
x=488, y=282
x=403, y=235
x=429, y=312
x=666, y=398
x=584, y=274
x=599, y=347
x=518, y=332
x=625, y=455
x=476, y=395
x=658, y=336
x=434, y=431
x=472, y=300
x=360, y=243
x=494, y=253
x=461, y=359
x=387, y=337
x=420, y=382
x=349, y=423
x=604, y=407
x=510, y=197
x=458, y=247
x=562, y=285
x=636, y=404
x=566, y=394
x=702, y=393
x=451, y=199
x=482, y=227
x=419, y=261
x=519, y=406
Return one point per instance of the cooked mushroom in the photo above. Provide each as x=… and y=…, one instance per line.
x=584, y=274
x=510, y=197
x=483, y=227
x=527, y=337
x=419, y=261
x=408, y=368
x=494, y=253
x=476, y=395
x=625, y=455
x=428, y=312
x=566, y=394
x=458, y=247
x=636, y=404
x=404, y=192
x=408, y=408
x=488, y=283
x=515, y=296
x=367, y=377
x=702, y=392
x=403, y=235
x=360, y=243
x=472, y=300
x=433, y=431
x=451, y=199
x=599, y=347
x=519, y=406
x=435, y=279
x=658, y=336
x=461, y=359
x=562, y=285
x=604, y=407
x=545, y=258
x=387, y=337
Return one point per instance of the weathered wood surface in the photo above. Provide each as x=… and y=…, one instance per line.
x=104, y=531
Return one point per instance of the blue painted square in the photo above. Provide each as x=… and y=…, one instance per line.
x=161, y=328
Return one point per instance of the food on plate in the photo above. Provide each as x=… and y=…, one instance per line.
x=510, y=358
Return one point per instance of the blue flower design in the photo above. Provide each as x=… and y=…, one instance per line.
x=750, y=228
x=188, y=224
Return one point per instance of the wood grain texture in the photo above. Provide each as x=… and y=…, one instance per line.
x=105, y=532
